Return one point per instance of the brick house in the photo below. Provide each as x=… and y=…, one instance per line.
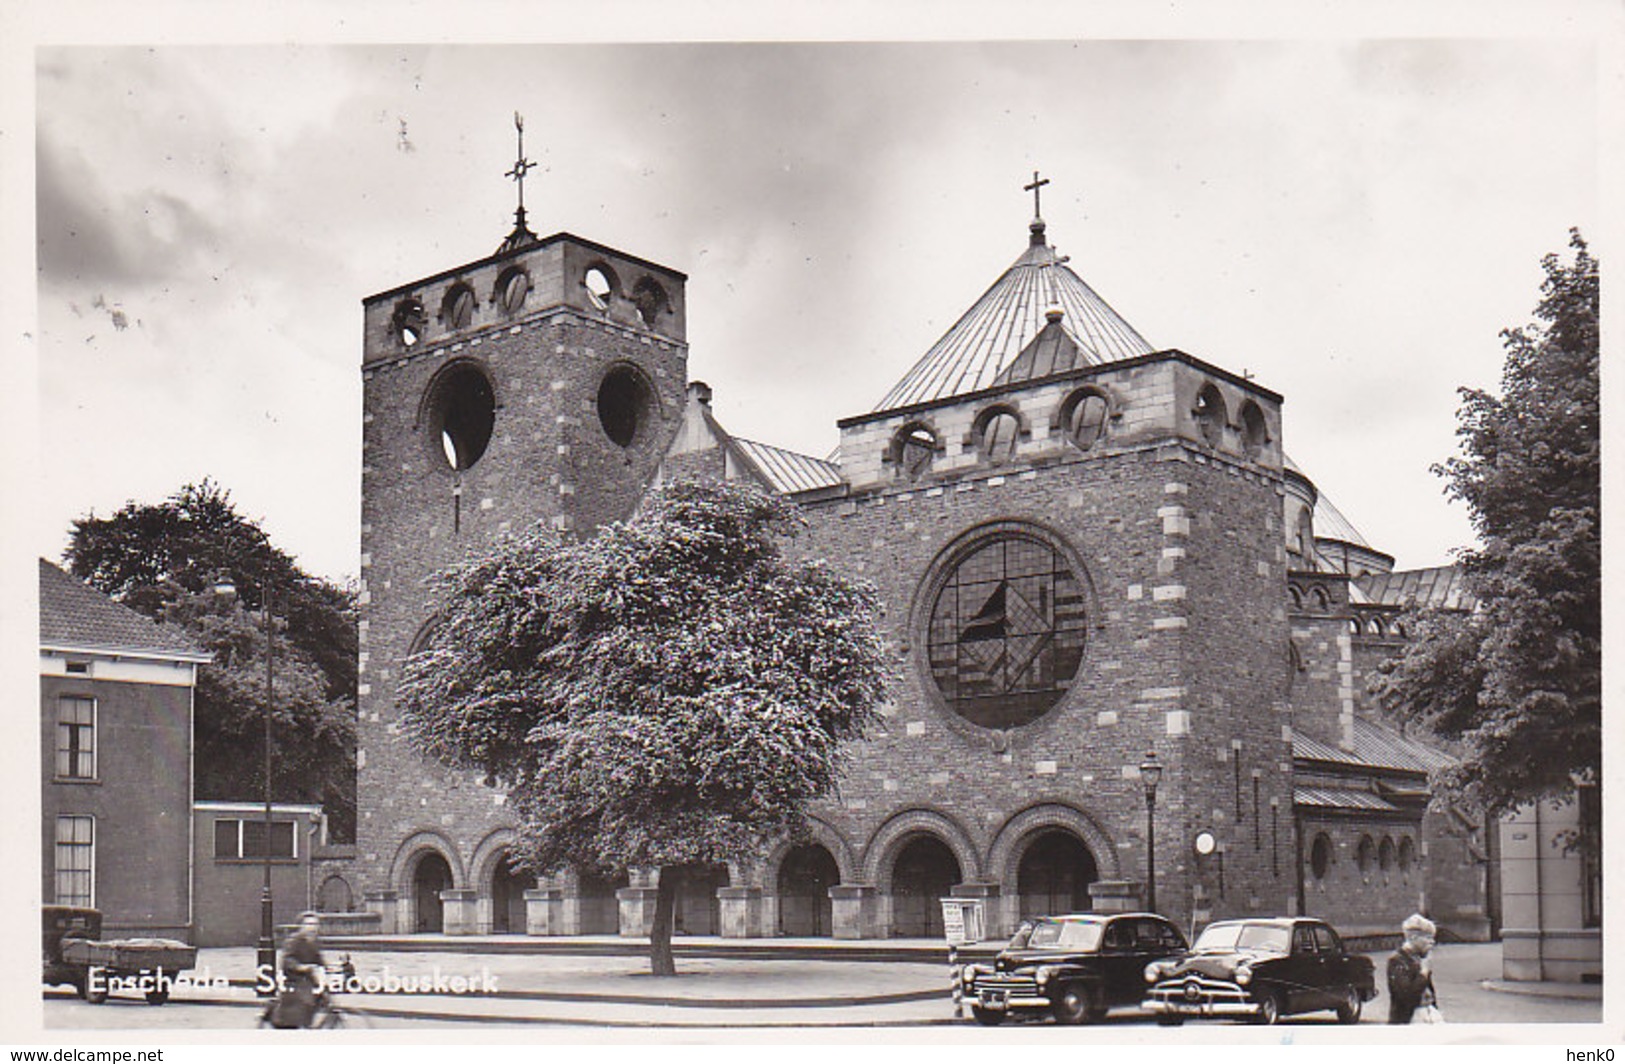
x=116, y=760
x=1089, y=549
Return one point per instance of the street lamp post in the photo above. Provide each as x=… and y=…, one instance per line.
x=265, y=953
x=1150, y=775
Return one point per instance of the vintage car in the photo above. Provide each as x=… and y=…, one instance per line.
x=1261, y=970
x=1073, y=967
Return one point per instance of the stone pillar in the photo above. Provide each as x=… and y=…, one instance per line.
x=637, y=911
x=991, y=910
x=741, y=911
x=855, y=911
x=544, y=911
x=1116, y=895
x=460, y=910
x=386, y=904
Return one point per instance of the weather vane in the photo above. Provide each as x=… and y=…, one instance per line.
x=521, y=167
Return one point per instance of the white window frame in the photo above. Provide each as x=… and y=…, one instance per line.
x=241, y=821
x=95, y=737
x=57, y=868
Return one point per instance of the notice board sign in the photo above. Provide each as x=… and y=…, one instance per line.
x=963, y=922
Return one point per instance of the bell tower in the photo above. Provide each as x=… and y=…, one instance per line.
x=540, y=383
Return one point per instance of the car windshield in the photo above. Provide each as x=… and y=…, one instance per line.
x=1242, y=936
x=1065, y=934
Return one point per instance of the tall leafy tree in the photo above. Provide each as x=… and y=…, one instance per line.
x=668, y=694
x=1519, y=679
x=165, y=561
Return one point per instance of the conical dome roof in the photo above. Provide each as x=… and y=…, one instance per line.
x=990, y=336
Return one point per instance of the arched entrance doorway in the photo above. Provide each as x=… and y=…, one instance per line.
x=1054, y=875
x=805, y=876
x=508, y=886
x=925, y=871
x=699, y=911
x=431, y=876
x=599, y=908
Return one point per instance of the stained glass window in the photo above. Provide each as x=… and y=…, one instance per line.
x=1007, y=632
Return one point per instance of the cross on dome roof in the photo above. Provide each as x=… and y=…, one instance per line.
x=521, y=234
x=979, y=348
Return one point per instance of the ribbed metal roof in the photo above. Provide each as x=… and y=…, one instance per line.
x=788, y=472
x=1341, y=798
x=1374, y=747
x=1440, y=587
x=990, y=336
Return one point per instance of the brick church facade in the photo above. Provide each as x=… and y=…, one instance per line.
x=1090, y=551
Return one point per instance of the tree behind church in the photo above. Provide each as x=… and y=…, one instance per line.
x=164, y=560
x=1519, y=680
x=668, y=694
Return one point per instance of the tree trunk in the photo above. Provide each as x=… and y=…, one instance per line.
x=660, y=958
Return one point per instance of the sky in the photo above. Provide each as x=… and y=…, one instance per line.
x=1349, y=215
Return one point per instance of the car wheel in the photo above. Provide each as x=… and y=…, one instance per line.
x=1269, y=1010
x=1074, y=1006
x=987, y=1017
x=1349, y=1010
x=95, y=997
x=157, y=997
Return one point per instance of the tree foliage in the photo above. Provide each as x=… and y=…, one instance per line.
x=164, y=561
x=1519, y=679
x=670, y=693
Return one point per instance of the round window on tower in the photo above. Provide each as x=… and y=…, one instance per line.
x=997, y=434
x=512, y=288
x=650, y=299
x=409, y=322
x=462, y=413
x=458, y=309
x=624, y=401
x=1210, y=415
x=1007, y=627
x=913, y=449
x=1083, y=418
x=599, y=281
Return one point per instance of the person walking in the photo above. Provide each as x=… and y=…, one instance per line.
x=1410, y=973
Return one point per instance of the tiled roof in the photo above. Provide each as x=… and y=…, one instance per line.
x=1341, y=798
x=788, y=472
x=988, y=338
x=75, y=615
x=1375, y=747
x=1440, y=587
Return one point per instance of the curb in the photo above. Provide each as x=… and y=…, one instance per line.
x=1559, y=991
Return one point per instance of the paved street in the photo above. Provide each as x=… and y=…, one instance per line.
x=616, y=991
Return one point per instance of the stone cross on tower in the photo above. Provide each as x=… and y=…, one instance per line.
x=1034, y=188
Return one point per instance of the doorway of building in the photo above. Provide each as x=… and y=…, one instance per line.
x=805, y=876
x=599, y=908
x=925, y=872
x=1054, y=875
x=508, y=888
x=699, y=910
x=431, y=876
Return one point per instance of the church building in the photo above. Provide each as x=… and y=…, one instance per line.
x=1130, y=636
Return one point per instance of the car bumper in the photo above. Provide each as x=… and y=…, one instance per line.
x=1004, y=1001
x=1198, y=1009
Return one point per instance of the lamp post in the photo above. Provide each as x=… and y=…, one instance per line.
x=1150, y=775
x=265, y=949
x=265, y=952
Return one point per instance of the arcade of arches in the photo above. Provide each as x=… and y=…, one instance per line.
x=1048, y=869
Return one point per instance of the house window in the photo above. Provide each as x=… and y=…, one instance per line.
x=244, y=839
x=75, y=860
x=76, y=738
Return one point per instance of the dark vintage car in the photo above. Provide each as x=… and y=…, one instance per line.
x=1074, y=967
x=75, y=954
x=1261, y=970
